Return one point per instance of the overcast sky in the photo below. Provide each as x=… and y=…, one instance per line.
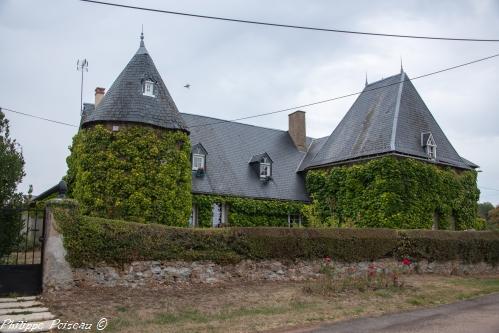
x=237, y=70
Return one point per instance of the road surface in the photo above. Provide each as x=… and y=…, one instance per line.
x=479, y=315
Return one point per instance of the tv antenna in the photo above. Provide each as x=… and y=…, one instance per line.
x=82, y=65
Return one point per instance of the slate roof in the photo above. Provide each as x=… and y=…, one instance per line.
x=125, y=102
x=388, y=117
x=230, y=147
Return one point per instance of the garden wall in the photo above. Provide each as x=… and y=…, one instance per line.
x=161, y=273
x=113, y=252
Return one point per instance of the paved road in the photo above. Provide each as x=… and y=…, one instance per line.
x=480, y=315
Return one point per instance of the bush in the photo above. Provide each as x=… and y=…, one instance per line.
x=91, y=241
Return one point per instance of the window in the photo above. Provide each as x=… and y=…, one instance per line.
x=193, y=219
x=428, y=143
x=294, y=220
x=116, y=128
x=219, y=215
x=149, y=88
x=265, y=168
x=197, y=162
x=431, y=151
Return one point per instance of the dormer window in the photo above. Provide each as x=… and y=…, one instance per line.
x=265, y=168
x=262, y=164
x=428, y=143
x=199, y=159
x=148, y=89
x=197, y=162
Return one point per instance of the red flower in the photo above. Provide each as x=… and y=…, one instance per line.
x=406, y=261
x=327, y=259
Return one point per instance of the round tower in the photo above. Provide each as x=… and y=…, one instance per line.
x=131, y=156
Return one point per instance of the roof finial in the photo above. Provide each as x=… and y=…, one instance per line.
x=366, y=80
x=401, y=66
x=142, y=36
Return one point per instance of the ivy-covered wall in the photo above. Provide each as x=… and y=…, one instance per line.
x=137, y=173
x=245, y=212
x=392, y=192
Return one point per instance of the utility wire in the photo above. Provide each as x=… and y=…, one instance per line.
x=279, y=25
x=299, y=106
x=37, y=117
x=351, y=94
x=488, y=188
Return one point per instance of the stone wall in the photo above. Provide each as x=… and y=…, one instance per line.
x=156, y=273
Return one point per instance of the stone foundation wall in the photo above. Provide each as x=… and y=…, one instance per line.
x=156, y=273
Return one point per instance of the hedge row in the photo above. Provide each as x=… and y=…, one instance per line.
x=92, y=241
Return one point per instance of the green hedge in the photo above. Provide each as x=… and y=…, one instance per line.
x=91, y=241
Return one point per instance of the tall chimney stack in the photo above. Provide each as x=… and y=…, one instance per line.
x=297, y=130
x=99, y=94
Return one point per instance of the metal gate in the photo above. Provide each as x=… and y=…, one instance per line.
x=21, y=251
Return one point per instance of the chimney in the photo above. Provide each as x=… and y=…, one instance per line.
x=99, y=94
x=297, y=130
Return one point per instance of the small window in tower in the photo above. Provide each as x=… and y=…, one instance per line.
x=265, y=168
x=149, y=88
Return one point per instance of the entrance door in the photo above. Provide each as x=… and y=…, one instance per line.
x=21, y=251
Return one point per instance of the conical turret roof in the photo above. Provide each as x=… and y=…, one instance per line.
x=126, y=102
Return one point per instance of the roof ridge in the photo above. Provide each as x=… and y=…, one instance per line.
x=397, y=111
x=235, y=122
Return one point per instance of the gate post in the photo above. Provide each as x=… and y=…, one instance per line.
x=57, y=273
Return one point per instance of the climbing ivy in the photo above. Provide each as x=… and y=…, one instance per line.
x=137, y=173
x=392, y=192
x=244, y=212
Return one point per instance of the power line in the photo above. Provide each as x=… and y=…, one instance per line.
x=488, y=188
x=37, y=117
x=279, y=25
x=351, y=94
x=299, y=106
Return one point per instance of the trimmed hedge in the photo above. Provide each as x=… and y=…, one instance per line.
x=91, y=241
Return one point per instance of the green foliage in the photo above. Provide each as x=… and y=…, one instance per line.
x=138, y=173
x=11, y=174
x=10, y=225
x=392, y=192
x=92, y=241
x=484, y=208
x=493, y=219
x=246, y=212
x=11, y=164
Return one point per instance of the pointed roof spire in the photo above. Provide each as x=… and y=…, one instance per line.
x=142, y=48
x=401, y=65
x=366, y=80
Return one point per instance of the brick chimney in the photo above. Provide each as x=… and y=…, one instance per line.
x=99, y=93
x=297, y=130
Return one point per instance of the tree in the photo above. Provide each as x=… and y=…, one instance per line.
x=11, y=164
x=484, y=208
x=11, y=174
x=493, y=218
